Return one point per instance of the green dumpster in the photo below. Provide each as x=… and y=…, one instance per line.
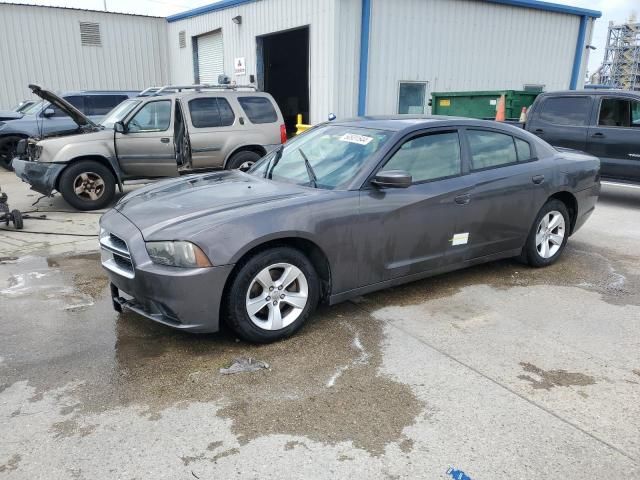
x=481, y=104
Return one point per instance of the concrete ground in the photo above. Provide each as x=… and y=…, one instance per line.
x=499, y=371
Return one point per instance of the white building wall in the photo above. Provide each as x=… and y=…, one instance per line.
x=41, y=45
x=331, y=87
x=465, y=45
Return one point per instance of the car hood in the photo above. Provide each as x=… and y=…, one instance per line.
x=171, y=203
x=80, y=118
x=60, y=139
x=10, y=115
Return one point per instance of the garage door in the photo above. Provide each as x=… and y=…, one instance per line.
x=210, y=57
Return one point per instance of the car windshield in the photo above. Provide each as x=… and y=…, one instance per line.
x=119, y=113
x=33, y=109
x=335, y=154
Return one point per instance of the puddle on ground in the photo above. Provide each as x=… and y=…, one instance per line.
x=323, y=384
x=580, y=266
x=548, y=379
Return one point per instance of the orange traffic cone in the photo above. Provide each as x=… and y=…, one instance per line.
x=500, y=109
x=523, y=115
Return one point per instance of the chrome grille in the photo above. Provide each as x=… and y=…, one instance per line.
x=115, y=255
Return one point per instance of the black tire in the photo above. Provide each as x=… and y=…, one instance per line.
x=17, y=219
x=93, y=170
x=236, y=310
x=531, y=253
x=7, y=150
x=239, y=159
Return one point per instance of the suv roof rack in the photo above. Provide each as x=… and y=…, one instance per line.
x=153, y=91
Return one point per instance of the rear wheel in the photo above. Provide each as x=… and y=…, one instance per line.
x=8, y=150
x=243, y=160
x=272, y=295
x=87, y=185
x=549, y=234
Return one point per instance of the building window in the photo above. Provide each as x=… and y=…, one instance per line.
x=182, y=39
x=411, y=97
x=90, y=34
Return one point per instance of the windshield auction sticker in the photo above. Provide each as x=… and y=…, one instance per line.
x=353, y=138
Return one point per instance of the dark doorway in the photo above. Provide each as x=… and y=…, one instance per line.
x=283, y=71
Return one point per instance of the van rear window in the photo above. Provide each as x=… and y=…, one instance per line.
x=258, y=109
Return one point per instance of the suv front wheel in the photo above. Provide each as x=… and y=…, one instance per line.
x=87, y=185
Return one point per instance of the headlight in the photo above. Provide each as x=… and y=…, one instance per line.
x=177, y=254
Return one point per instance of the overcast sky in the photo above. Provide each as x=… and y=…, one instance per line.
x=615, y=10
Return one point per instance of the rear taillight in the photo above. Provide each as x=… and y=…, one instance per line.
x=283, y=134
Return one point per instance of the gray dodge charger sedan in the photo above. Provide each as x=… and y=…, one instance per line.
x=344, y=209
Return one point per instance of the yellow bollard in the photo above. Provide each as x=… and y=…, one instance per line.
x=301, y=127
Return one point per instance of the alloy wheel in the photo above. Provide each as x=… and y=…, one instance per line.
x=277, y=296
x=550, y=234
x=89, y=186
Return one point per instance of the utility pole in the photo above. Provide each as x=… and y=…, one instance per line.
x=105, y=4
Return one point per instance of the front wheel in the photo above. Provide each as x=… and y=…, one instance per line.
x=243, y=160
x=272, y=295
x=549, y=234
x=87, y=185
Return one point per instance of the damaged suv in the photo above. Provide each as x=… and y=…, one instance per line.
x=177, y=130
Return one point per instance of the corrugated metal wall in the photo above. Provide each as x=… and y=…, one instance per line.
x=328, y=30
x=466, y=45
x=42, y=45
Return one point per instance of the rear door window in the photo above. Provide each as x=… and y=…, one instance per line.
x=258, y=109
x=75, y=100
x=428, y=157
x=572, y=110
x=210, y=112
x=491, y=149
x=99, y=105
x=619, y=112
x=523, y=149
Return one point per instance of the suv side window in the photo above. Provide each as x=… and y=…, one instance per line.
x=152, y=117
x=210, y=112
x=75, y=100
x=572, y=110
x=102, y=104
x=619, y=112
x=428, y=157
x=258, y=109
x=491, y=149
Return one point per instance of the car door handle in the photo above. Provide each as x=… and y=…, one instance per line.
x=537, y=179
x=538, y=131
x=598, y=135
x=463, y=199
x=165, y=140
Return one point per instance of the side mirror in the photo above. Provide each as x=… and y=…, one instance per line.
x=332, y=117
x=392, y=179
x=120, y=127
x=49, y=112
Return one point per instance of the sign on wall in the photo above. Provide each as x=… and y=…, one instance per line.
x=240, y=66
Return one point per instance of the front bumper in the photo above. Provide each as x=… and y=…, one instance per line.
x=184, y=298
x=41, y=176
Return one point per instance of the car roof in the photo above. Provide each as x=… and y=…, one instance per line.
x=594, y=92
x=209, y=93
x=102, y=92
x=397, y=123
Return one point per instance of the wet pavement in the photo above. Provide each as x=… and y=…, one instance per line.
x=500, y=371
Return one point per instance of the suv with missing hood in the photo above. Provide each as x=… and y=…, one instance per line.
x=43, y=119
x=176, y=130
